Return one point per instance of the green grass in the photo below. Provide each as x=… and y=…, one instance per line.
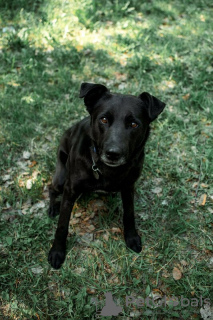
x=47, y=48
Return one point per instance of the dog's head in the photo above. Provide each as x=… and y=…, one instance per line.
x=119, y=123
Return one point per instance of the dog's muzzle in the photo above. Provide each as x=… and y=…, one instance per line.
x=113, y=157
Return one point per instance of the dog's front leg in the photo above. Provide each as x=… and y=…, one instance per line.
x=58, y=251
x=133, y=241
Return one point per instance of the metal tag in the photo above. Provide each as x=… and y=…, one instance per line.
x=95, y=172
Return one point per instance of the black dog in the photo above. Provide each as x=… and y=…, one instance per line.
x=102, y=152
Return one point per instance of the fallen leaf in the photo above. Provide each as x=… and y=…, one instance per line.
x=210, y=264
x=91, y=291
x=164, y=203
x=157, y=190
x=202, y=200
x=177, y=274
x=186, y=97
x=194, y=185
x=79, y=270
x=91, y=228
x=86, y=219
x=35, y=174
x=26, y=155
x=78, y=213
x=204, y=185
x=209, y=69
x=106, y=236
x=86, y=237
x=74, y=221
x=6, y=177
x=115, y=230
x=33, y=163
x=25, y=207
x=206, y=312
x=113, y=279
x=13, y=84
x=172, y=301
x=37, y=270
x=202, y=18
x=136, y=313
x=184, y=263
x=29, y=184
x=120, y=76
x=97, y=205
x=165, y=274
x=37, y=206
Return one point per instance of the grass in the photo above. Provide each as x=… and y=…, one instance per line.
x=47, y=48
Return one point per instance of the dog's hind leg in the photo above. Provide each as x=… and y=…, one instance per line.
x=57, y=186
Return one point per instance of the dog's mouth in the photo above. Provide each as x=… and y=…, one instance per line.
x=113, y=163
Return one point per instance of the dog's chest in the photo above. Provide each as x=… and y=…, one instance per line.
x=109, y=183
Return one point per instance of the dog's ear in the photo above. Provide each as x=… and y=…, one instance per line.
x=91, y=93
x=153, y=105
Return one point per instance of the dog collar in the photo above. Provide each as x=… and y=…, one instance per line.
x=96, y=170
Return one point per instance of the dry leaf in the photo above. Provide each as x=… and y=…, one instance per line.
x=204, y=185
x=206, y=312
x=33, y=163
x=186, y=97
x=79, y=270
x=6, y=177
x=78, y=214
x=165, y=274
x=106, y=236
x=194, y=185
x=35, y=174
x=26, y=155
x=202, y=18
x=37, y=270
x=25, y=207
x=91, y=291
x=113, y=279
x=86, y=219
x=172, y=301
x=211, y=197
x=97, y=205
x=184, y=263
x=29, y=184
x=115, y=230
x=164, y=203
x=91, y=228
x=37, y=206
x=74, y=221
x=202, y=200
x=157, y=190
x=177, y=274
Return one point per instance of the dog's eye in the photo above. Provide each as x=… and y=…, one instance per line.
x=104, y=120
x=134, y=125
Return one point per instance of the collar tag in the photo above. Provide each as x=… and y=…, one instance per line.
x=95, y=171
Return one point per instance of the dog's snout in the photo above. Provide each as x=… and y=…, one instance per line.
x=113, y=153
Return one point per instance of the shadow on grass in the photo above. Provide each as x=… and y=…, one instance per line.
x=40, y=88
x=12, y=6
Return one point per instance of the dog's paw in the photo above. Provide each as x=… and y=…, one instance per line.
x=133, y=241
x=54, y=210
x=56, y=257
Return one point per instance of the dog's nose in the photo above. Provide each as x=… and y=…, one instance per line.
x=113, y=153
